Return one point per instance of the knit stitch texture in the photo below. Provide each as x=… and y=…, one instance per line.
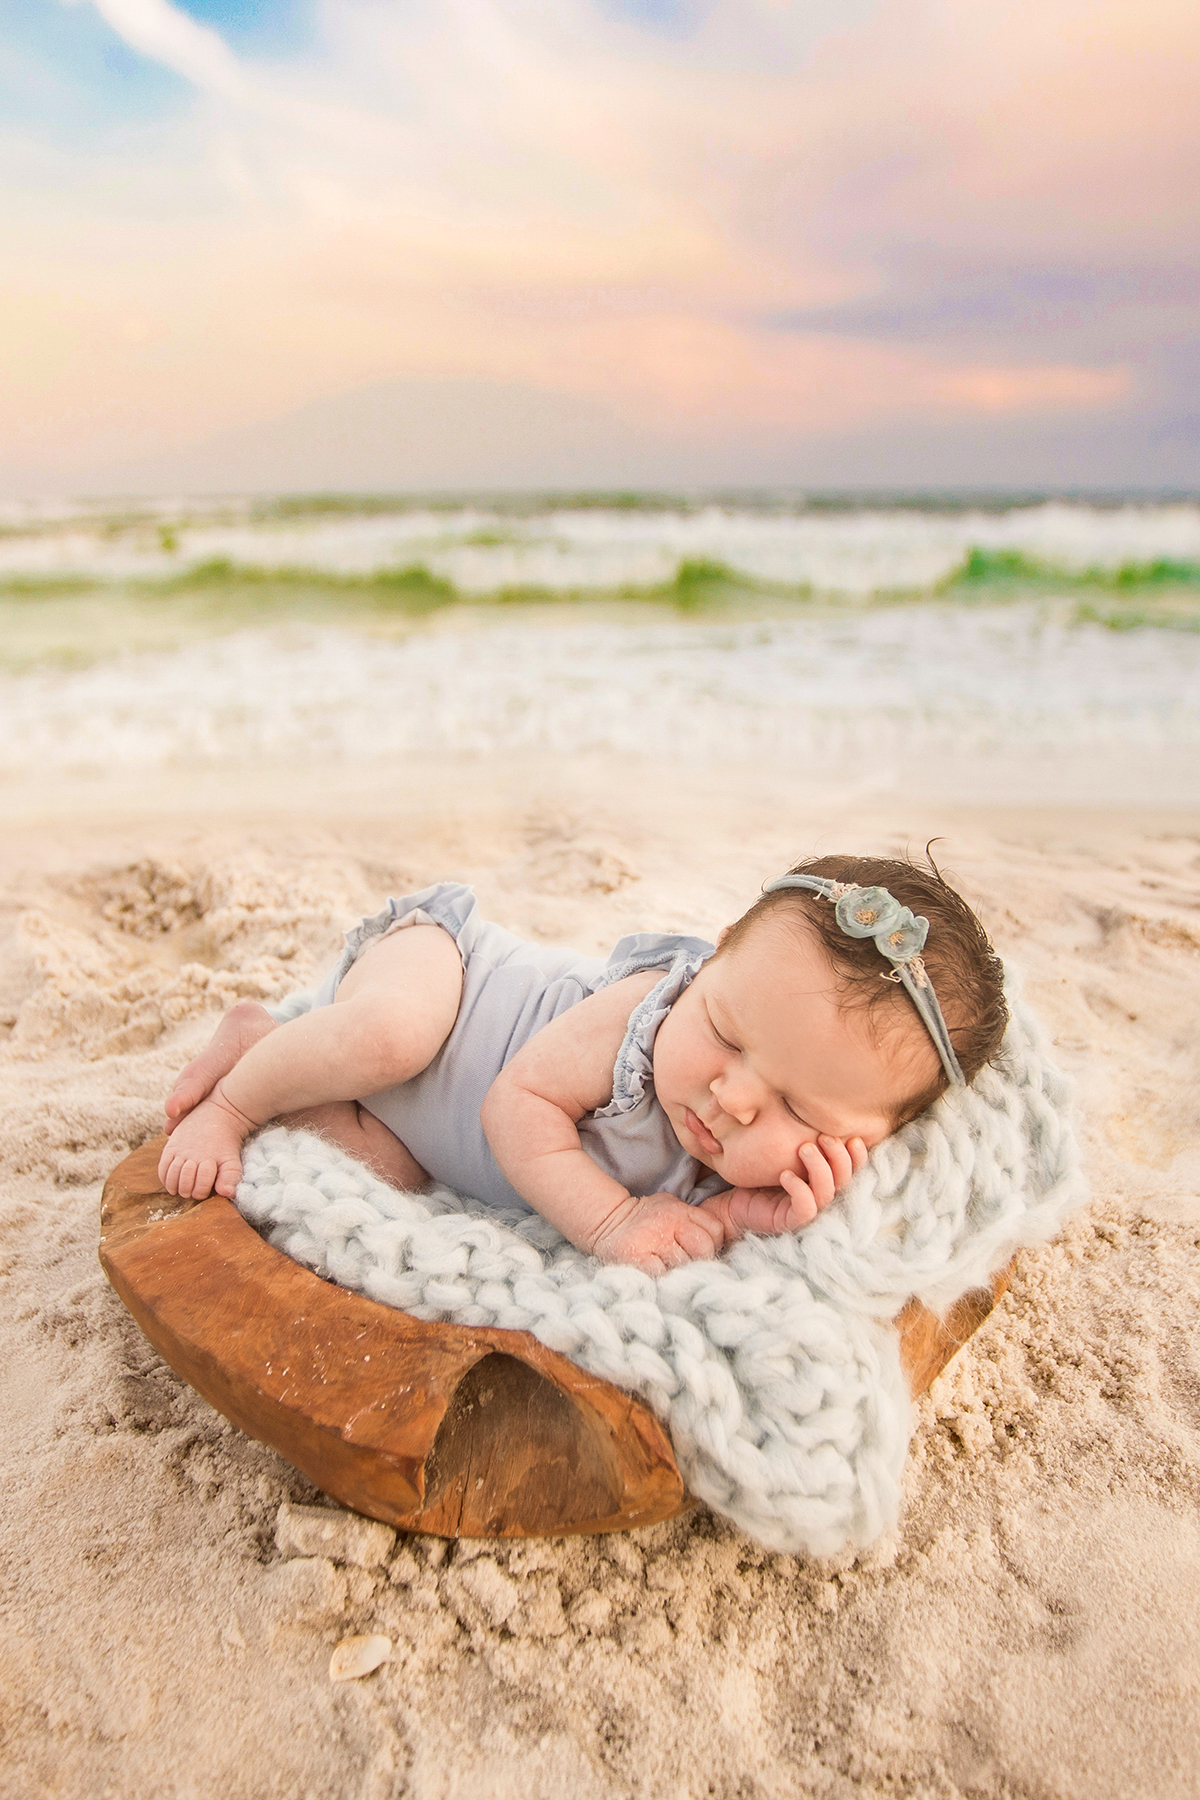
x=774, y=1367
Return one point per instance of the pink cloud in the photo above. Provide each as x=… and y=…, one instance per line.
x=556, y=197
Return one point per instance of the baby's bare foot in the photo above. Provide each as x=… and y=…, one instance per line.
x=203, y=1154
x=241, y=1028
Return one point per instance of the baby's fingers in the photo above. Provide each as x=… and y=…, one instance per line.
x=844, y=1159
x=700, y=1234
x=690, y=1243
x=817, y=1172
x=837, y=1155
x=804, y=1201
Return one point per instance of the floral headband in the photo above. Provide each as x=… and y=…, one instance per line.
x=871, y=912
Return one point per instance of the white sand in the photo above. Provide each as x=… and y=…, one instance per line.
x=1031, y=1631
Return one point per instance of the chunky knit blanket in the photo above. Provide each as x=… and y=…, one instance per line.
x=774, y=1367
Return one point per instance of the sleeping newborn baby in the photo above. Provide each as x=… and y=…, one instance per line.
x=653, y=1106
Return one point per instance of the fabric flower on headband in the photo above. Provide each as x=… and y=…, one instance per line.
x=872, y=912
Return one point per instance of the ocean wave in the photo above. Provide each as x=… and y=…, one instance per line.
x=872, y=695
x=685, y=555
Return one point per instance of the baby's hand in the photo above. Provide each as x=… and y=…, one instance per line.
x=203, y=1153
x=658, y=1233
x=828, y=1166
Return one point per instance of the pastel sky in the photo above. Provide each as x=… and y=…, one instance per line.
x=399, y=243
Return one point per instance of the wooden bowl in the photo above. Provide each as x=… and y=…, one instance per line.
x=449, y=1429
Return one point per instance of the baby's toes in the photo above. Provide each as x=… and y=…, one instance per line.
x=186, y=1170
x=225, y=1180
x=206, y=1178
x=196, y=1178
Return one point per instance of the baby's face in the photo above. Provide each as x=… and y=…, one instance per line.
x=759, y=1056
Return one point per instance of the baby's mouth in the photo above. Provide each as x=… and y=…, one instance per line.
x=710, y=1145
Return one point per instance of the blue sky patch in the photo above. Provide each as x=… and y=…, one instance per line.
x=65, y=72
x=268, y=27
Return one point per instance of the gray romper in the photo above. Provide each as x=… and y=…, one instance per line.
x=510, y=990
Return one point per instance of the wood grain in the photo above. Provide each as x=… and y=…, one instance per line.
x=928, y=1343
x=432, y=1427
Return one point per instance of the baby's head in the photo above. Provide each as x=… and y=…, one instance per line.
x=794, y=1030
x=964, y=971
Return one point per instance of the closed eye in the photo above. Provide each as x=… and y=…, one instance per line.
x=723, y=1041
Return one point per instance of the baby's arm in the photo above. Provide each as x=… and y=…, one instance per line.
x=530, y=1118
x=387, y=1024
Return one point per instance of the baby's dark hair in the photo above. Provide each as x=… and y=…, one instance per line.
x=967, y=975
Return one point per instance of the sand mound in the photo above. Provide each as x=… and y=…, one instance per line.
x=1029, y=1632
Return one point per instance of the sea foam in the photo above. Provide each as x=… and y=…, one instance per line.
x=899, y=699
x=857, y=552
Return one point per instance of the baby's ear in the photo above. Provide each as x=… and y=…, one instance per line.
x=723, y=934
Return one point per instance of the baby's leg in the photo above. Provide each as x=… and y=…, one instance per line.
x=390, y=1019
x=242, y=1026
x=364, y=1137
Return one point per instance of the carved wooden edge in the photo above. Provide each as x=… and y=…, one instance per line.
x=354, y=1393
x=928, y=1343
x=431, y=1427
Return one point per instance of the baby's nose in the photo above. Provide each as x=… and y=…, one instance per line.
x=735, y=1098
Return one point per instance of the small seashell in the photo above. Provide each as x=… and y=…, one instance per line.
x=357, y=1656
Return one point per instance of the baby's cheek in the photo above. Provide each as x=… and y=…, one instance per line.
x=757, y=1165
